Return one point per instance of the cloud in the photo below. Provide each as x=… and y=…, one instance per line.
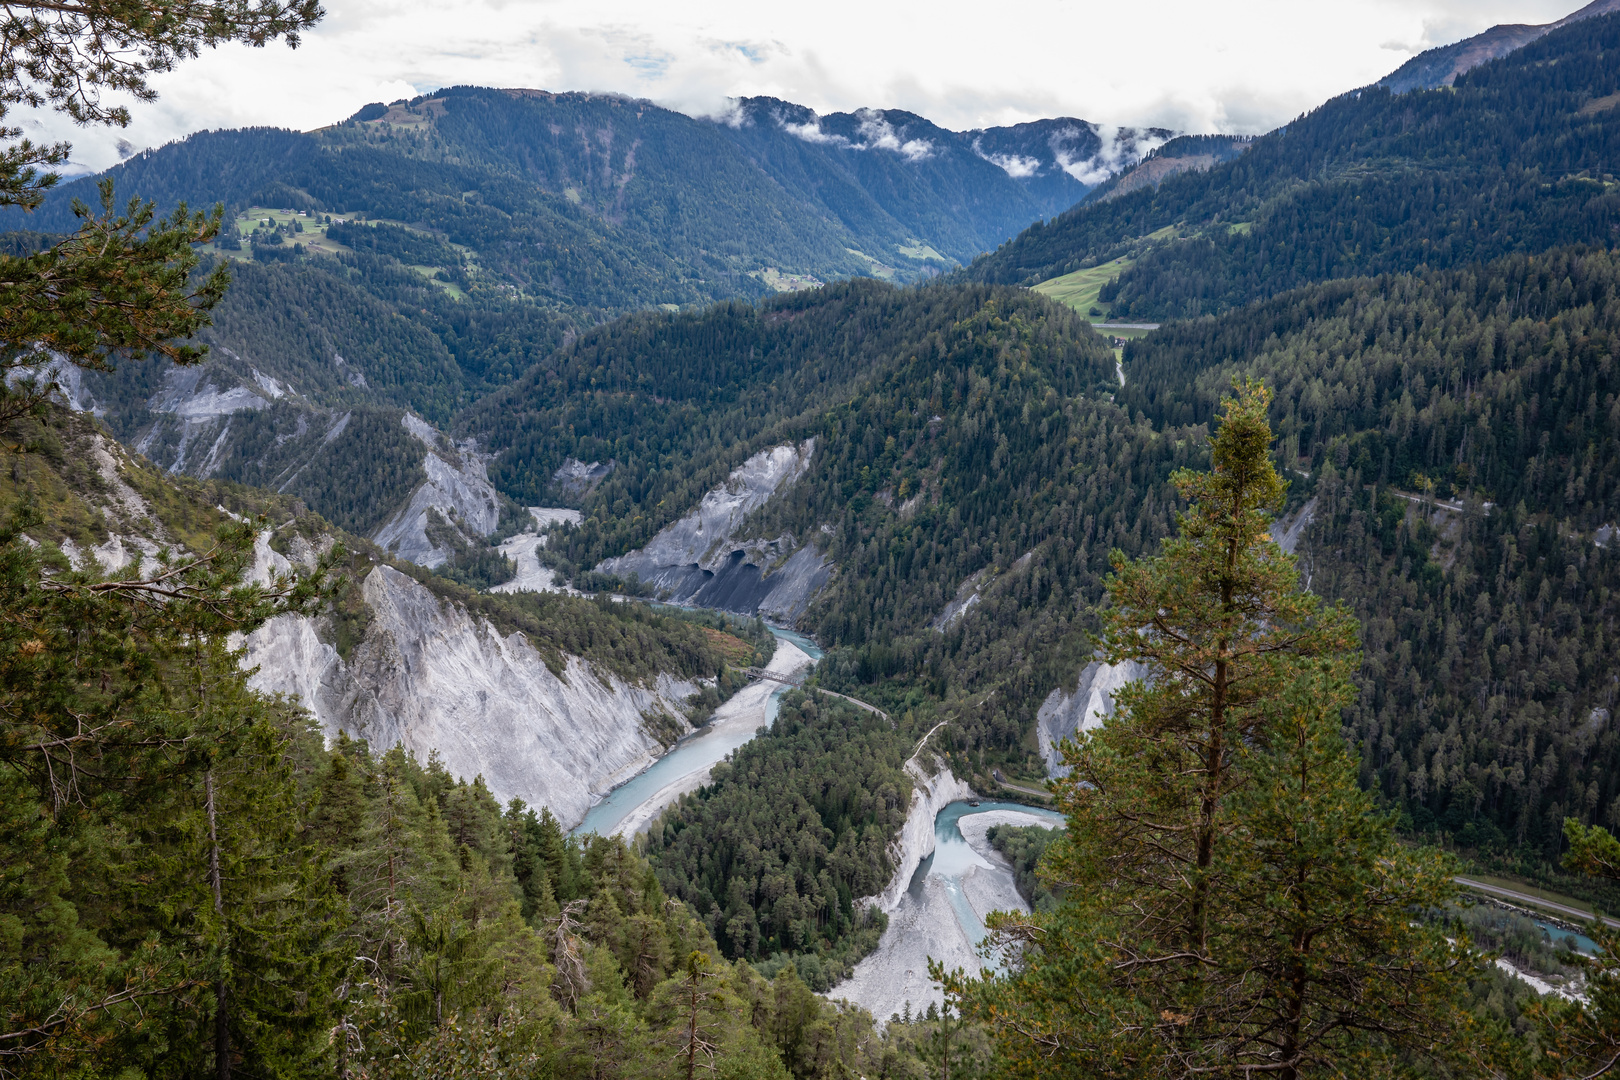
x=880, y=135
x=875, y=130
x=1215, y=65
x=1017, y=166
x=810, y=131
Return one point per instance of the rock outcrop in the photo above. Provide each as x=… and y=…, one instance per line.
x=1062, y=715
x=432, y=677
x=457, y=495
x=1289, y=529
x=698, y=561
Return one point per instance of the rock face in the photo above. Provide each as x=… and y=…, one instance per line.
x=922, y=922
x=432, y=677
x=934, y=788
x=1288, y=530
x=457, y=495
x=578, y=478
x=697, y=561
x=1061, y=715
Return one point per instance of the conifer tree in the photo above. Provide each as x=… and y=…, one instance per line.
x=1232, y=903
x=1582, y=1038
x=160, y=869
x=121, y=287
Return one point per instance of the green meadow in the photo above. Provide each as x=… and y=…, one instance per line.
x=1079, y=290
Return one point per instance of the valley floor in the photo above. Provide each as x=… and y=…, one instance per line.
x=927, y=923
x=631, y=808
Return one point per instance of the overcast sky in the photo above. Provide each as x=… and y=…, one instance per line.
x=1196, y=65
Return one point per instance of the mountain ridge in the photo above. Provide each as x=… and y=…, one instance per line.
x=1509, y=158
x=1442, y=65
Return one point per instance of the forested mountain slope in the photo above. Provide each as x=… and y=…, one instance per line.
x=437, y=249
x=974, y=463
x=967, y=455
x=1517, y=156
x=1456, y=431
x=604, y=202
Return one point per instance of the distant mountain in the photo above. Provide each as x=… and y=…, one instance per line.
x=1039, y=169
x=604, y=202
x=1441, y=66
x=474, y=231
x=1517, y=155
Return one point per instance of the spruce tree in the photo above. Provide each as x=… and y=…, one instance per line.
x=161, y=875
x=1582, y=1038
x=1231, y=901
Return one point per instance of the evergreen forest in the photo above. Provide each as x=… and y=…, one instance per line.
x=1299, y=607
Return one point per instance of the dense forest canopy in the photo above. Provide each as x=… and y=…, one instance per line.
x=795, y=827
x=1456, y=430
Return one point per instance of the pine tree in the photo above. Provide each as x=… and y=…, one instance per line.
x=1324, y=964
x=270, y=914
x=1582, y=1038
x=132, y=749
x=1229, y=895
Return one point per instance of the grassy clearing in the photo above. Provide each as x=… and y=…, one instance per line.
x=448, y=286
x=1079, y=290
x=920, y=250
x=1128, y=333
x=877, y=269
x=775, y=279
x=313, y=237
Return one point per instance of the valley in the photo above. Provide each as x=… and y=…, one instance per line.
x=630, y=808
x=849, y=594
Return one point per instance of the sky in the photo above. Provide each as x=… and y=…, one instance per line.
x=1239, y=66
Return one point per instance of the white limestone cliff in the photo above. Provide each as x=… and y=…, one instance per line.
x=933, y=788
x=698, y=560
x=1063, y=715
x=430, y=676
x=457, y=490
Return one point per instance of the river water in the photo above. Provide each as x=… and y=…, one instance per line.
x=953, y=856
x=941, y=914
x=693, y=755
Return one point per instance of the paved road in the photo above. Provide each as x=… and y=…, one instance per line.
x=1532, y=900
x=995, y=774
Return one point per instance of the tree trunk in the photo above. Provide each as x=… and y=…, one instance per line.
x=222, y=1023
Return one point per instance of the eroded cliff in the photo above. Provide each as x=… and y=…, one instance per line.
x=698, y=560
x=432, y=677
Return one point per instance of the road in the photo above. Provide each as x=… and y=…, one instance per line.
x=995, y=774
x=1530, y=900
x=798, y=682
